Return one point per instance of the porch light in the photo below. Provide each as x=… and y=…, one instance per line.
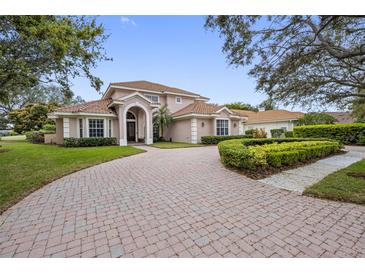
x=202, y=124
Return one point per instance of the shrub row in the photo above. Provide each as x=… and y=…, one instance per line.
x=346, y=133
x=213, y=140
x=254, y=142
x=89, y=142
x=243, y=154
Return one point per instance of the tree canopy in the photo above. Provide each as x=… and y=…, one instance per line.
x=241, y=106
x=303, y=60
x=316, y=118
x=48, y=49
x=31, y=117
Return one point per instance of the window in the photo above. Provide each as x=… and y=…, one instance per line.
x=81, y=128
x=130, y=116
x=178, y=100
x=222, y=127
x=96, y=128
x=153, y=98
x=110, y=128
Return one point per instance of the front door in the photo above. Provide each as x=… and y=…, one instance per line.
x=131, y=131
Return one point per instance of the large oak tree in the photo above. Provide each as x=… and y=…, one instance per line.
x=301, y=60
x=48, y=49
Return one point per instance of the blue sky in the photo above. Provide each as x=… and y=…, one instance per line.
x=171, y=50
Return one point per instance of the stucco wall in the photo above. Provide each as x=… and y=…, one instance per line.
x=205, y=130
x=171, y=103
x=59, y=131
x=118, y=93
x=179, y=131
x=73, y=127
x=268, y=126
x=235, y=129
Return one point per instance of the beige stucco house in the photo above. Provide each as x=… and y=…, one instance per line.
x=126, y=112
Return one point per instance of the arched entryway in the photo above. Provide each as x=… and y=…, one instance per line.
x=137, y=124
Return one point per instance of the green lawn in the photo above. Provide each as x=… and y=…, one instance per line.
x=173, y=145
x=25, y=167
x=341, y=186
x=13, y=138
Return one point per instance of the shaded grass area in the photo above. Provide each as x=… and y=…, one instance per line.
x=167, y=145
x=25, y=167
x=347, y=185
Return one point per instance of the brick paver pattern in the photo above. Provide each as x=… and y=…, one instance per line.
x=176, y=203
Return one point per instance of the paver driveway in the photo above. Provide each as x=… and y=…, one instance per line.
x=180, y=202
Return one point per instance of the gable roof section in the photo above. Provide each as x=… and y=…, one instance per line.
x=269, y=115
x=200, y=107
x=97, y=106
x=150, y=86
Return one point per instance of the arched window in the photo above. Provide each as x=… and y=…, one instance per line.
x=130, y=116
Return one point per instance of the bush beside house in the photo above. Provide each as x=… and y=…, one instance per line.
x=345, y=133
x=213, y=140
x=90, y=142
x=256, y=154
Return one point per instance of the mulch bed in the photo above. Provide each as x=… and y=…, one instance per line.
x=262, y=173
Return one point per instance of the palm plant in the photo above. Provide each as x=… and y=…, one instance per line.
x=162, y=118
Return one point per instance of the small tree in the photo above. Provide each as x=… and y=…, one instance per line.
x=316, y=118
x=162, y=119
x=31, y=117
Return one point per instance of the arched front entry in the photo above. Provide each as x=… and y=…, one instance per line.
x=136, y=124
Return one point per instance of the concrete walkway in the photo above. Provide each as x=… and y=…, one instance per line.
x=300, y=178
x=176, y=203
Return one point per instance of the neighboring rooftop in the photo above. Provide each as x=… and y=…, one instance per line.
x=97, y=106
x=146, y=85
x=342, y=117
x=269, y=115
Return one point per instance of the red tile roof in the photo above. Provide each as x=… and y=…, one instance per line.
x=199, y=107
x=154, y=87
x=269, y=115
x=98, y=106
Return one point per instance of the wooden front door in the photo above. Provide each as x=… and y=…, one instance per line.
x=131, y=131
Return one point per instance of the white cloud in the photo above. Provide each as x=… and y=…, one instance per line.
x=127, y=21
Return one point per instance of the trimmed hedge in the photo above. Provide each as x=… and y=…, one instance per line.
x=89, y=142
x=277, y=132
x=346, y=133
x=254, y=142
x=213, y=140
x=289, y=134
x=246, y=154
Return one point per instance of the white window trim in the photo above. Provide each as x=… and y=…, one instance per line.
x=78, y=127
x=229, y=126
x=87, y=126
x=179, y=103
x=150, y=95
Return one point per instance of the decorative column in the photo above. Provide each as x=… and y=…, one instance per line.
x=66, y=127
x=194, y=131
x=122, y=126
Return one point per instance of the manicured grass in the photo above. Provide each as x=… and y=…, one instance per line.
x=341, y=186
x=13, y=138
x=25, y=167
x=173, y=145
